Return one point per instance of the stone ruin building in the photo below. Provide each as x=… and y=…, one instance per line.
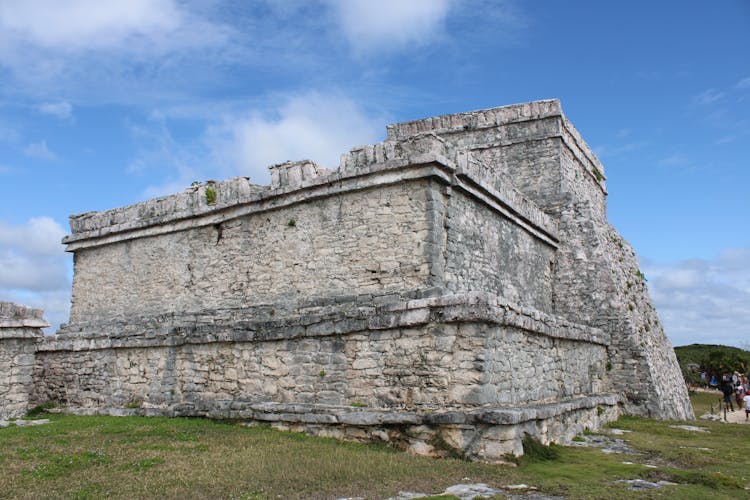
x=453, y=287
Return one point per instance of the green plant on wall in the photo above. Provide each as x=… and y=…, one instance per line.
x=598, y=175
x=210, y=195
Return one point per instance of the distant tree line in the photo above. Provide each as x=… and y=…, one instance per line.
x=710, y=359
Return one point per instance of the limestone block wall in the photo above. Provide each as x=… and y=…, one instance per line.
x=448, y=352
x=20, y=332
x=595, y=276
x=334, y=246
x=488, y=252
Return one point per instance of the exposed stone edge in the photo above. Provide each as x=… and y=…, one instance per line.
x=320, y=187
x=459, y=308
x=580, y=149
x=476, y=120
x=513, y=201
x=361, y=417
x=22, y=331
x=22, y=323
x=12, y=315
x=525, y=214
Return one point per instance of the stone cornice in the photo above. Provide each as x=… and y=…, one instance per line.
x=125, y=223
x=244, y=326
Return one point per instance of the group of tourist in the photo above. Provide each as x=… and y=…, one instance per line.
x=734, y=387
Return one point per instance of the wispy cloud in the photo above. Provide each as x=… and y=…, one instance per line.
x=704, y=300
x=743, y=84
x=708, y=96
x=607, y=151
x=62, y=109
x=86, y=24
x=158, y=153
x=8, y=134
x=39, y=150
x=389, y=25
x=312, y=125
x=674, y=160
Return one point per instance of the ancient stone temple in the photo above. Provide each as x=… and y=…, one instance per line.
x=453, y=287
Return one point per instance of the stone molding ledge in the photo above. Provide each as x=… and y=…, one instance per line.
x=187, y=210
x=360, y=416
x=471, y=307
x=14, y=318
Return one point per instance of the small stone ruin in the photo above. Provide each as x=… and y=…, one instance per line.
x=447, y=290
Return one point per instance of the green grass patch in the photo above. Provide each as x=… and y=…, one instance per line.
x=138, y=457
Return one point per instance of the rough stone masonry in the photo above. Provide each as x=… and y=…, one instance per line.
x=446, y=290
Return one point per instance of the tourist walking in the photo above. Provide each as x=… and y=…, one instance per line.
x=728, y=390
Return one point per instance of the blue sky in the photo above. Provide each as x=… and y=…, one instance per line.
x=104, y=104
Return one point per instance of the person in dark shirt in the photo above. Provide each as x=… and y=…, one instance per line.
x=728, y=390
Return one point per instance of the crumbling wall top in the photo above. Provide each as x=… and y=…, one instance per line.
x=485, y=118
x=18, y=316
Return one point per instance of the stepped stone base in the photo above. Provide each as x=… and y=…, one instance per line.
x=490, y=434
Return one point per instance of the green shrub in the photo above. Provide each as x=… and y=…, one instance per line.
x=210, y=195
x=535, y=451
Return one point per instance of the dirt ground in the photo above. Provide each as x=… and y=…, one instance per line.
x=736, y=416
x=732, y=417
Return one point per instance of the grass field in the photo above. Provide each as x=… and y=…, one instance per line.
x=136, y=457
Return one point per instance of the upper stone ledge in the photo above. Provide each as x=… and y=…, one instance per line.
x=408, y=144
x=212, y=201
x=18, y=316
x=472, y=120
x=197, y=199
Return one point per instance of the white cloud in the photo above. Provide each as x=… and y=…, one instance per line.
x=39, y=150
x=55, y=303
x=390, y=24
x=76, y=25
x=40, y=236
x=62, y=110
x=34, y=268
x=31, y=256
x=704, y=301
x=309, y=126
x=112, y=49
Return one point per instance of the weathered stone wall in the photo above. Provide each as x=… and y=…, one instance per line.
x=459, y=281
x=595, y=281
x=439, y=361
x=20, y=332
x=451, y=351
x=487, y=252
x=334, y=246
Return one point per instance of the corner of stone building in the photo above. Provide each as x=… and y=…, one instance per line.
x=20, y=333
x=599, y=282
